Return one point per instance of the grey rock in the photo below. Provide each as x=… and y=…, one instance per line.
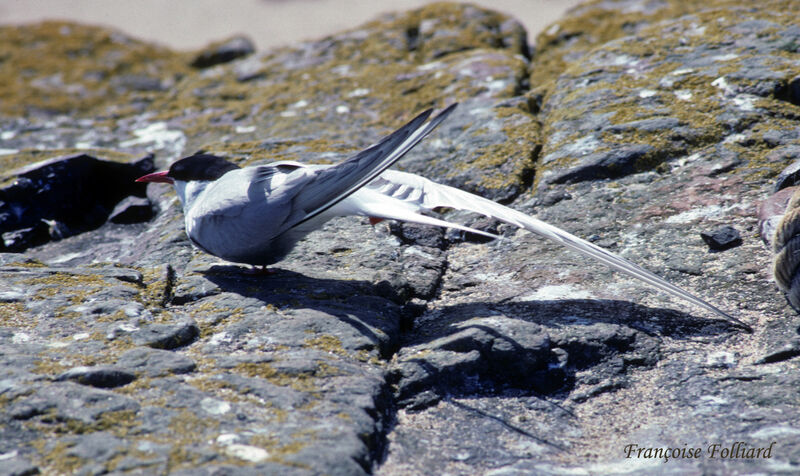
x=249, y=69
x=11, y=296
x=166, y=336
x=138, y=82
x=155, y=362
x=554, y=196
x=17, y=466
x=97, y=447
x=418, y=234
x=193, y=288
x=267, y=468
x=67, y=401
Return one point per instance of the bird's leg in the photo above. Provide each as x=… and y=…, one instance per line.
x=261, y=271
x=374, y=220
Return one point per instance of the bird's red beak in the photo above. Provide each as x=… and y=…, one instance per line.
x=157, y=177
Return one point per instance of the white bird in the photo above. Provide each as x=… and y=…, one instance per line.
x=256, y=215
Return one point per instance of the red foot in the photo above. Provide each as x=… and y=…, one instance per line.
x=374, y=220
x=260, y=271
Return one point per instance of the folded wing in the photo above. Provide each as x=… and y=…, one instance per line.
x=333, y=184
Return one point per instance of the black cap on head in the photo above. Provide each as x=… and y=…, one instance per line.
x=200, y=166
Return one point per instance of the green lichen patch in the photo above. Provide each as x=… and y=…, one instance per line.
x=50, y=366
x=431, y=32
x=118, y=423
x=58, y=67
x=209, y=317
x=595, y=23
x=280, y=451
x=158, y=283
x=73, y=288
x=301, y=381
x=509, y=163
x=185, y=431
x=55, y=457
x=15, y=315
x=702, y=85
x=326, y=343
x=371, y=80
x=188, y=424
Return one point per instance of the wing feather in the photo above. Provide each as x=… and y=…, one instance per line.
x=411, y=194
x=333, y=184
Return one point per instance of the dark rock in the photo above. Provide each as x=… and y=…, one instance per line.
x=790, y=91
x=615, y=163
x=787, y=351
x=102, y=376
x=722, y=238
x=132, y=210
x=24, y=238
x=78, y=192
x=481, y=223
x=412, y=233
x=224, y=52
x=790, y=176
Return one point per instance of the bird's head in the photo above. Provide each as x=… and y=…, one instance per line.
x=198, y=167
x=192, y=174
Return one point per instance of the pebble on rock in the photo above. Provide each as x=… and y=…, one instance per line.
x=722, y=238
x=102, y=376
x=227, y=51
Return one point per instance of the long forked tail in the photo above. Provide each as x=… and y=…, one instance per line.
x=408, y=190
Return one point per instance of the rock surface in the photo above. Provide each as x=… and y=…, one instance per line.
x=398, y=349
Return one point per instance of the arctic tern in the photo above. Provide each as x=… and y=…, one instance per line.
x=256, y=215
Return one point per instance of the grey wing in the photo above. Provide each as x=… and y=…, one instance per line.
x=245, y=208
x=333, y=184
